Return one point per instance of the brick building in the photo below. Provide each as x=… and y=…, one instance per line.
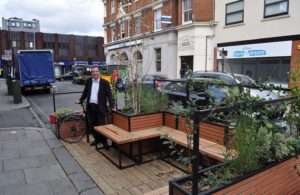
x=67, y=49
x=162, y=36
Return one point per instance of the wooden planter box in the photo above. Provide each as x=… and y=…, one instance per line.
x=277, y=178
x=135, y=123
x=209, y=131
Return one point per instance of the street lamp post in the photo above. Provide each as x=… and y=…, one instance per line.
x=35, y=21
x=11, y=47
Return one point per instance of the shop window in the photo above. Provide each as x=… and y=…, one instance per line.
x=187, y=10
x=234, y=12
x=276, y=8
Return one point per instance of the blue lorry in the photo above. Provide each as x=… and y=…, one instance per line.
x=35, y=70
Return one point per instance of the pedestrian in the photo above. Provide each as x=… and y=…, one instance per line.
x=97, y=92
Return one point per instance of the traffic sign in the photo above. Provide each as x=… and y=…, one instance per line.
x=7, y=55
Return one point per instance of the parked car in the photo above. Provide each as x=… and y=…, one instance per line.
x=147, y=81
x=176, y=91
x=67, y=76
x=238, y=78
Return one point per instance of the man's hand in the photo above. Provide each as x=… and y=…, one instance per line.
x=77, y=102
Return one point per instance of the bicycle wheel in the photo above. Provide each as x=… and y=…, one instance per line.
x=72, y=128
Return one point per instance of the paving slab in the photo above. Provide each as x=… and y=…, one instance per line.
x=54, y=143
x=20, y=163
x=47, y=160
x=1, y=166
x=68, y=163
x=36, y=175
x=16, y=145
x=9, y=154
x=92, y=192
x=12, y=178
x=29, y=189
x=63, y=187
x=82, y=182
x=28, y=152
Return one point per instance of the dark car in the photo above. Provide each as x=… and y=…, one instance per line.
x=176, y=91
x=67, y=76
x=147, y=81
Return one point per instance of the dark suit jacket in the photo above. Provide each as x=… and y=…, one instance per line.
x=104, y=94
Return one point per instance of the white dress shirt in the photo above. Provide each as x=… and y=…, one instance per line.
x=94, y=92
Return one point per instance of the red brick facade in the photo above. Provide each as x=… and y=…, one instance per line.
x=295, y=58
x=4, y=45
x=202, y=12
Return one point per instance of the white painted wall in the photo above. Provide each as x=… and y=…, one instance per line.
x=166, y=41
x=192, y=41
x=255, y=26
x=168, y=44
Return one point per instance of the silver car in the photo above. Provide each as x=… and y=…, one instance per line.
x=237, y=78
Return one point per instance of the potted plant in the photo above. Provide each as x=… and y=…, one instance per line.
x=66, y=118
x=263, y=155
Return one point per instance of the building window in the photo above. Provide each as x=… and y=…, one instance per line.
x=234, y=12
x=79, y=46
x=138, y=25
x=93, y=46
x=276, y=8
x=112, y=6
x=112, y=33
x=157, y=19
x=122, y=29
x=25, y=24
x=187, y=10
x=158, y=59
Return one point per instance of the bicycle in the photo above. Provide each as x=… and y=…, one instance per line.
x=73, y=127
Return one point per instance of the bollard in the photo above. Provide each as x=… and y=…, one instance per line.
x=16, y=89
x=9, y=85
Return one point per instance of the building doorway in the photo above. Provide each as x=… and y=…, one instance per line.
x=187, y=65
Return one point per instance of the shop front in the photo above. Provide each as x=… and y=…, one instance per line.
x=268, y=62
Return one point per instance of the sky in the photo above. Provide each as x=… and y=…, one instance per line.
x=78, y=17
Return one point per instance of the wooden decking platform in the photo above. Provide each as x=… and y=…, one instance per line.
x=136, y=180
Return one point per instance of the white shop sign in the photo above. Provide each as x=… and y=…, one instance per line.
x=260, y=50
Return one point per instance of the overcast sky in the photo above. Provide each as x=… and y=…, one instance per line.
x=79, y=17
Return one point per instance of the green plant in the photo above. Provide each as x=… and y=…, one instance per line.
x=152, y=101
x=62, y=112
x=179, y=111
x=149, y=101
x=293, y=112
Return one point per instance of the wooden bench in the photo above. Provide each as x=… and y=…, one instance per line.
x=160, y=191
x=121, y=137
x=210, y=131
x=206, y=147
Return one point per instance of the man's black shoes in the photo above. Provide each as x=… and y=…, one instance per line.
x=94, y=143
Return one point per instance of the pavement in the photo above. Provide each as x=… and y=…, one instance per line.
x=32, y=160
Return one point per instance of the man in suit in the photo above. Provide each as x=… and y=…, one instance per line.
x=97, y=92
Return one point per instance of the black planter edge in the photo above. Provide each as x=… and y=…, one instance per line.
x=175, y=182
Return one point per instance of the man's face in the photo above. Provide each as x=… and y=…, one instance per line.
x=95, y=73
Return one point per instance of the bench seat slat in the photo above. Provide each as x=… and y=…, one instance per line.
x=120, y=136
